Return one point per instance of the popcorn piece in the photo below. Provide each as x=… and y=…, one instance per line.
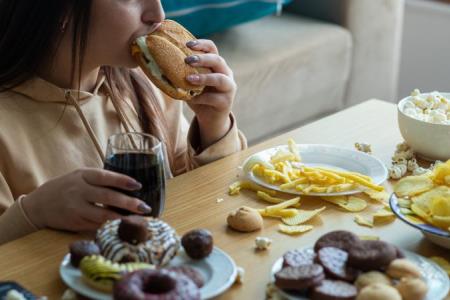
x=240, y=275
x=415, y=92
x=397, y=171
x=219, y=200
x=366, y=148
x=412, y=164
x=431, y=108
x=262, y=243
x=402, y=147
x=69, y=294
x=420, y=171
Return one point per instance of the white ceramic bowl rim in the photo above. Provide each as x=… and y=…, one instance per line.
x=402, y=102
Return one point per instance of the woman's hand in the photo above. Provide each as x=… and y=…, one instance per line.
x=70, y=202
x=212, y=108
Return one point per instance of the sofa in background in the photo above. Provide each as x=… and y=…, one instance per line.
x=318, y=57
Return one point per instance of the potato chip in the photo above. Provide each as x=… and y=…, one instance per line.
x=302, y=216
x=440, y=173
x=369, y=237
x=440, y=206
x=414, y=219
x=362, y=221
x=235, y=188
x=441, y=221
x=421, y=213
x=381, y=197
x=383, y=216
x=424, y=201
x=442, y=262
x=406, y=211
x=354, y=204
x=405, y=203
x=294, y=229
x=335, y=199
x=413, y=185
x=283, y=213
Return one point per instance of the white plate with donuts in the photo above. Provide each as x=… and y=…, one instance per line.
x=218, y=271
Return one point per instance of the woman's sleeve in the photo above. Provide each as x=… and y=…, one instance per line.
x=13, y=221
x=186, y=137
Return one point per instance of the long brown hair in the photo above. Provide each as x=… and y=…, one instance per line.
x=29, y=28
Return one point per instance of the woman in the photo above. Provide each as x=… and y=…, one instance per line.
x=68, y=82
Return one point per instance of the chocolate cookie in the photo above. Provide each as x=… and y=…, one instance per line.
x=190, y=272
x=339, y=239
x=334, y=290
x=197, y=243
x=371, y=255
x=299, y=278
x=334, y=262
x=298, y=257
x=80, y=249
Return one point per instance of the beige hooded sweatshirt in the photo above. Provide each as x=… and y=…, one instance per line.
x=45, y=133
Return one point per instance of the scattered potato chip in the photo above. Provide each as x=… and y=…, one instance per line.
x=338, y=200
x=302, y=216
x=266, y=197
x=354, y=204
x=413, y=185
x=283, y=213
x=421, y=213
x=362, y=221
x=440, y=221
x=294, y=229
x=369, y=237
x=440, y=206
x=383, y=216
x=441, y=172
x=381, y=197
x=236, y=187
x=442, y=262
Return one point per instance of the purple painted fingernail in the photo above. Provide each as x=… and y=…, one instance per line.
x=144, y=208
x=134, y=185
x=193, y=78
x=192, y=59
x=192, y=43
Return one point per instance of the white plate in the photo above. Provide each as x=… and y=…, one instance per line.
x=218, y=271
x=328, y=156
x=434, y=276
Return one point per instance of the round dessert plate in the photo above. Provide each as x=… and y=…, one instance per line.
x=218, y=271
x=326, y=156
x=435, y=278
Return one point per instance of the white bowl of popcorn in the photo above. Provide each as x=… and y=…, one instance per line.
x=424, y=122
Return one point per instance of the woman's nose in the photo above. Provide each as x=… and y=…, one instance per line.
x=153, y=12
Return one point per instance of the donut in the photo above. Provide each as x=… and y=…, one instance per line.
x=80, y=249
x=190, y=272
x=155, y=285
x=138, y=239
x=197, y=243
x=101, y=273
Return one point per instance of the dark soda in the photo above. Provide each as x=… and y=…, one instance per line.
x=147, y=169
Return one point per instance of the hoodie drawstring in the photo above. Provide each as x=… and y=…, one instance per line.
x=70, y=98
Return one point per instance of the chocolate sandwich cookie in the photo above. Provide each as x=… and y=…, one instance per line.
x=339, y=239
x=298, y=257
x=334, y=262
x=190, y=272
x=334, y=290
x=371, y=255
x=299, y=278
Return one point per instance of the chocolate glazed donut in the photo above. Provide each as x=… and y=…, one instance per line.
x=155, y=285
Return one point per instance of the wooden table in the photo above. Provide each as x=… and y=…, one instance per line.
x=192, y=203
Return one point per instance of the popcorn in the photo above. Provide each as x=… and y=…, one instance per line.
x=397, y=171
x=240, y=275
x=420, y=171
x=366, y=148
x=431, y=108
x=262, y=243
x=412, y=164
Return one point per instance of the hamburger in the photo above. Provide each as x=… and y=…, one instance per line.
x=161, y=55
